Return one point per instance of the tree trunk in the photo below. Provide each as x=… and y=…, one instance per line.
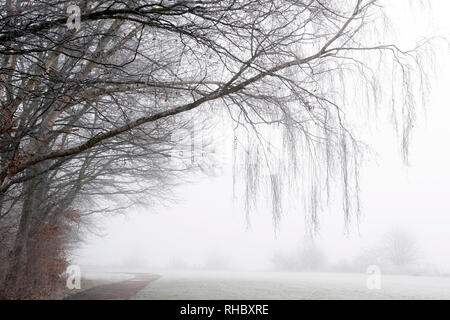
x=17, y=256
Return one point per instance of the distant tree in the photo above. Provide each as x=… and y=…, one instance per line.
x=306, y=257
x=312, y=258
x=400, y=248
x=395, y=252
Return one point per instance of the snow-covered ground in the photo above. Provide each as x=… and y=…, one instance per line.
x=276, y=285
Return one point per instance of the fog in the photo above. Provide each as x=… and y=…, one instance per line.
x=206, y=228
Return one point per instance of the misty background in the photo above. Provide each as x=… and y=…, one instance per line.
x=402, y=205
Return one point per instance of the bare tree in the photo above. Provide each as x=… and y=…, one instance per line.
x=91, y=112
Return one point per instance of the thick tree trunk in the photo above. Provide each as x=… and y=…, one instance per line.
x=17, y=256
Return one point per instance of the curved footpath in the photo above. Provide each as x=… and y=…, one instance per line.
x=122, y=290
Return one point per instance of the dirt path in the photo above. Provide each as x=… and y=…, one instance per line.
x=122, y=290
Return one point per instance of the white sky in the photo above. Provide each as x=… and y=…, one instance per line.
x=416, y=198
